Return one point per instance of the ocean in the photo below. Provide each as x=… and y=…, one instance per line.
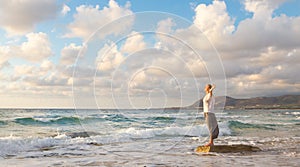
x=154, y=137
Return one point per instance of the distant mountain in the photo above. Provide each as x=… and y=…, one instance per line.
x=286, y=101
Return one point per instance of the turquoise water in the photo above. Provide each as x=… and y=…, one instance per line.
x=58, y=137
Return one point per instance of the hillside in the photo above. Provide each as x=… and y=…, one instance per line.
x=286, y=101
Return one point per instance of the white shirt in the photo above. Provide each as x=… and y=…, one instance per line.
x=208, y=103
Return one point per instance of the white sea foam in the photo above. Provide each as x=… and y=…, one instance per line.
x=196, y=130
x=292, y=113
x=11, y=145
x=295, y=113
x=46, y=119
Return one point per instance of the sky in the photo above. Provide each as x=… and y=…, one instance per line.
x=143, y=54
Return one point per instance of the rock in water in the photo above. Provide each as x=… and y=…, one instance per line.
x=227, y=148
x=81, y=134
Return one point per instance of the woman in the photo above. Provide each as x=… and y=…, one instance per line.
x=210, y=118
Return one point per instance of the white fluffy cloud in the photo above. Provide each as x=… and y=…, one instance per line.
x=214, y=21
x=88, y=19
x=65, y=9
x=134, y=42
x=4, y=56
x=69, y=54
x=259, y=56
x=262, y=9
x=165, y=26
x=109, y=58
x=19, y=17
x=36, y=74
x=24, y=70
x=262, y=30
x=35, y=49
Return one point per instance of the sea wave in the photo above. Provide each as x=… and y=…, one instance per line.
x=2, y=123
x=12, y=145
x=73, y=120
x=118, y=118
x=192, y=131
x=163, y=118
x=38, y=121
x=240, y=125
x=70, y=120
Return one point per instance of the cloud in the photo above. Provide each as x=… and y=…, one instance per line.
x=24, y=70
x=262, y=9
x=260, y=54
x=148, y=70
x=41, y=72
x=35, y=49
x=34, y=80
x=5, y=54
x=265, y=29
x=46, y=66
x=272, y=80
x=20, y=17
x=134, y=42
x=236, y=45
x=264, y=62
x=34, y=73
x=280, y=32
x=50, y=80
x=214, y=21
x=65, y=9
x=88, y=19
x=69, y=54
x=109, y=58
x=165, y=26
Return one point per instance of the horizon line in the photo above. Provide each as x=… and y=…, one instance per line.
x=169, y=107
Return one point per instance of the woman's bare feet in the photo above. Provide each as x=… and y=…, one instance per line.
x=209, y=144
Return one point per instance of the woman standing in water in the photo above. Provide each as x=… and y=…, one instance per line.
x=208, y=110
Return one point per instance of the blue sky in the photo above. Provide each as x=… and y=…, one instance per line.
x=42, y=42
